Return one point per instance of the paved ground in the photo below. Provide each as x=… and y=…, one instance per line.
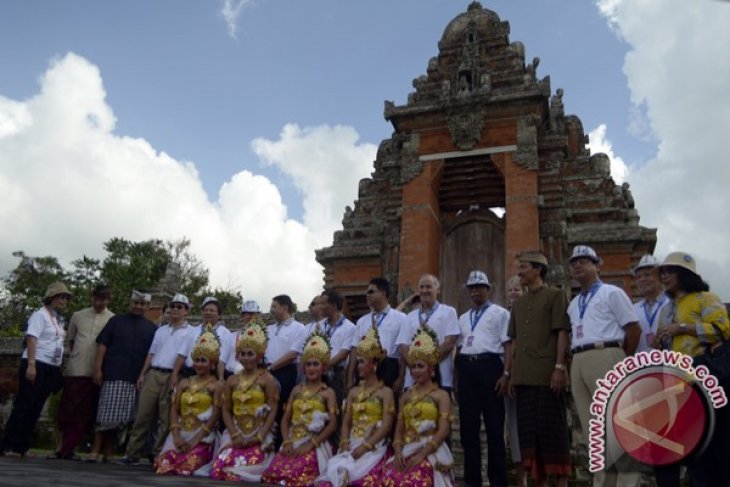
x=39, y=472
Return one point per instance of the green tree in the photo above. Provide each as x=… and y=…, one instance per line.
x=187, y=274
x=24, y=288
x=132, y=265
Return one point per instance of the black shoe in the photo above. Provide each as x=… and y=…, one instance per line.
x=128, y=461
x=54, y=456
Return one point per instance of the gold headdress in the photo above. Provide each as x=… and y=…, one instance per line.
x=424, y=346
x=369, y=345
x=317, y=347
x=253, y=336
x=207, y=346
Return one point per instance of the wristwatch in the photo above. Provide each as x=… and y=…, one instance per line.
x=683, y=327
x=560, y=367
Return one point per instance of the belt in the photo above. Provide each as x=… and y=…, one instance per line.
x=161, y=369
x=478, y=357
x=597, y=346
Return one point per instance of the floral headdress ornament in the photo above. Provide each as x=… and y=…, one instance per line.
x=317, y=347
x=369, y=345
x=424, y=346
x=207, y=346
x=253, y=337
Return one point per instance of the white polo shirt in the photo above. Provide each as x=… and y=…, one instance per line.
x=604, y=315
x=47, y=328
x=445, y=323
x=167, y=344
x=389, y=323
x=648, y=315
x=340, y=335
x=224, y=339
x=284, y=337
x=483, y=330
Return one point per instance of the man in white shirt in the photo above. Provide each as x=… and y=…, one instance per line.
x=389, y=323
x=316, y=314
x=439, y=317
x=250, y=311
x=80, y=396
x=211, y=311
x=605, y=330
x=154, y=382
x=339, y=331
x=286, y=342
x=480, y=366
x=648, y=310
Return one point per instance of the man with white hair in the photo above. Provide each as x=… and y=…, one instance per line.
x=646, y=277
x=442, y=319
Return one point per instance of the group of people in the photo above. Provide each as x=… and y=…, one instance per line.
x=334, y=402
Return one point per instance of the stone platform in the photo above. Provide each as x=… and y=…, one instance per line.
x=39, y=472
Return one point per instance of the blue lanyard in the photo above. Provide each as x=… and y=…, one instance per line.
x=479, y=313
x=650, y=318
x=428, y=316
x=583, y=302
x=380, y=321
x=331, y=330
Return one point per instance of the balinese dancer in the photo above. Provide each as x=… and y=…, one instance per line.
x=422, y=459
x=249, y=409
x=188, y=449
x=367, y=424
x=310, y=418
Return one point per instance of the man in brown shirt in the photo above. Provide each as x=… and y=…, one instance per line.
x=539, y=328
x=80, y=396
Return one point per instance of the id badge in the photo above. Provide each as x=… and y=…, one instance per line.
x=649, y=338
x=470, y=341
x=57, y=354
x=579, y=331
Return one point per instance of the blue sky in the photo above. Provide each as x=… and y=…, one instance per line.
x=254, y=104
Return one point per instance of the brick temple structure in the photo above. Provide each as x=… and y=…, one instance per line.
x=481, y=132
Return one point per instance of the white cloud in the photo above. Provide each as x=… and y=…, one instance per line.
x=597, y=142
x=69, y=183
x=231, y=10
x=677, y=69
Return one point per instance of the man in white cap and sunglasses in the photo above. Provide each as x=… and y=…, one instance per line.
x=605, y=329
x=646, y=277
x=250, y=311
x=154, y=382
x=480, y=365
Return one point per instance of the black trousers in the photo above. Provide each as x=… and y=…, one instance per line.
x=477, y=402
x=28, y=405
x=391, y=369
x=287, y=378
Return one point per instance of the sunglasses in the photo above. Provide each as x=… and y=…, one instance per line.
x=178, y=306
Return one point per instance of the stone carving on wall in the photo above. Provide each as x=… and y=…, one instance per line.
x=466, y=127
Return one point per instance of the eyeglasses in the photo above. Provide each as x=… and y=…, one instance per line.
x=178, y=306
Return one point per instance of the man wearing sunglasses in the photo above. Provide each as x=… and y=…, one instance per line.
x=154, y=382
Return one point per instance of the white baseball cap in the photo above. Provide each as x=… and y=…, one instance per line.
x=477, y=278
x=182, y=299
x=208, y=300
x=580, y=251
x=646, y=260
x=250, y=307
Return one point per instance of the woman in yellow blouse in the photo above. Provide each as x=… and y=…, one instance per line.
x=367, y=423
x=250, y=402
x=422, y=459
x=310, y=418
x=694, y=322
x=194, y=415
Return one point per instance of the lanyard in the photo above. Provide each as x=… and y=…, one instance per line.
x=583, y=301
x=651, y=317
x=331, y=330
x=428, y=316
x=376, y=324
x=479, y=313
x=56, y=326
x=280, y=325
